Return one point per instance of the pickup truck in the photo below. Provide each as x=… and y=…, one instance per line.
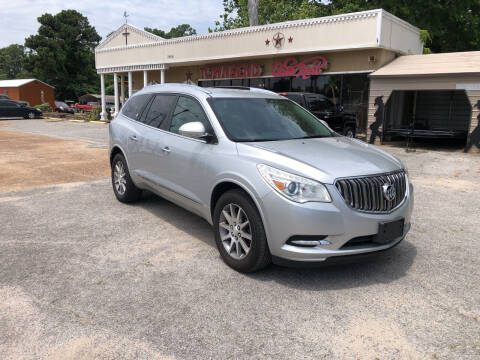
x=85, y=107
x=323, y=108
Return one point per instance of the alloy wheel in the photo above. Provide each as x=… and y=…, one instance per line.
x=31, y=115
x=119, y=178
x=235, y=231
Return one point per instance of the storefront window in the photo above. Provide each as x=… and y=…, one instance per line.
x=329, y=86
x=258, y=82
x=355, y=96
x=239, y=82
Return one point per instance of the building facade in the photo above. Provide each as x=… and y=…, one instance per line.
x=331, y=55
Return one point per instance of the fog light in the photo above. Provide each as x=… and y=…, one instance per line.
x=308, y=241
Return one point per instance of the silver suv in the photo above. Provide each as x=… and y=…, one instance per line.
x=275, y=182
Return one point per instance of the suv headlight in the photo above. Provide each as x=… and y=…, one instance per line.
x=294, y=187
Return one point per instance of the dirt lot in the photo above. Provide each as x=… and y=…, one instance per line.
x=83, y=276
x=28, y=161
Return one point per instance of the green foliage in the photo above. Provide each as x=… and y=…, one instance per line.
x=45, y=107
x=109, y=86
x=426, y=40
x=12, y=60
x=94, y=115
x=62, y=54
x=452, y=25
x=175, y=32
x=269, y=11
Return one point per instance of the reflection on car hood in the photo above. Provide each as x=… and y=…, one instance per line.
x=336, y=157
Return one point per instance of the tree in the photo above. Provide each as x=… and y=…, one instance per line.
x=12, y=60
x=451, y=25
x=269, y=11
x=62, y=54
x=175, y=32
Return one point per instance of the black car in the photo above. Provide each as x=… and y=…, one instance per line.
x=322, y=107
x=10, y=108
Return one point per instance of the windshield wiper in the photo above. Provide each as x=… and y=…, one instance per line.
x=312, y=137
x=257, y=140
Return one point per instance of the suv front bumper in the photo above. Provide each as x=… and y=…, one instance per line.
x=336, y=220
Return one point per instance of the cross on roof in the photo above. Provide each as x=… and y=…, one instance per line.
x=126, y=33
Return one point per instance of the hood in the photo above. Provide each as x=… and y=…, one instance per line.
x=32, y=109
x=335, y=157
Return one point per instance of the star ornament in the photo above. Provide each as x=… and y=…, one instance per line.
x=290, y=39
x=267, y=42
x=277, y=39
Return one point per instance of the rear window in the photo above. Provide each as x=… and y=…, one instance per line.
x=134, y=106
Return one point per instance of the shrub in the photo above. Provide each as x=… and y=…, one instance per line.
x=94, y=115
x=45, y=107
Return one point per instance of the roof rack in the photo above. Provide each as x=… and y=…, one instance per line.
x=254, y=89
x=232, y=87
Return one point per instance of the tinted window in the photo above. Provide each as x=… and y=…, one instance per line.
x=134, y=106
x=187, y=110
x=266, y=119
x=320, y=104
x=296, y=97
x=159, y=110
x=10, y=104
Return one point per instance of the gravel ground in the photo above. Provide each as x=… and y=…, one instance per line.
x=85, y=277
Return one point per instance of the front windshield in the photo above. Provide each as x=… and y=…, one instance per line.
x=59, y=103
x=255, y=119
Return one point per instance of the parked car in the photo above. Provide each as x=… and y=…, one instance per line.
x=62, y=107
x=6, y=97
x=275, y=182
x=86, y=107
x=322, y=107
x=11, y=108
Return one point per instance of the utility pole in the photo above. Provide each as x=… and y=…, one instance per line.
x=253, y=12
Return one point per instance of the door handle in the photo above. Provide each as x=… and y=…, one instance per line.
x=166, y=150
x=133, y=138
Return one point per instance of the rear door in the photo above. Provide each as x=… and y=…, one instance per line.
x=134, y=129
x=10, y=109
x=3, y=108
x=151, y=140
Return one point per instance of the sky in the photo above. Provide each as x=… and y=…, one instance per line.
x=18, y=18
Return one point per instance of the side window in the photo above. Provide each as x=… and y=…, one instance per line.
x=134, y=106
x=187, y=110
x=9, y=104
x=159, y=110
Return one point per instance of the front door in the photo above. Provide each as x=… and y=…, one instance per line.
x=188, y=171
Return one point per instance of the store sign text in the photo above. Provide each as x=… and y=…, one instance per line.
x=236, y=71
x=304, y=69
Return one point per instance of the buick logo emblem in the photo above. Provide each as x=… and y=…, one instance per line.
x=389, y=191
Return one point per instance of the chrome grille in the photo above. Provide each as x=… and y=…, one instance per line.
x=366, y=193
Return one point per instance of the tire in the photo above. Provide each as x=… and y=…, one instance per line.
x=258, y=255
x=30, y=115
x=123, y=186
x=349, y=132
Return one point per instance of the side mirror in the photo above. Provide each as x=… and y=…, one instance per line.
x=195, y=130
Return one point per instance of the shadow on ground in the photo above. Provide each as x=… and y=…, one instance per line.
x=385, y=267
